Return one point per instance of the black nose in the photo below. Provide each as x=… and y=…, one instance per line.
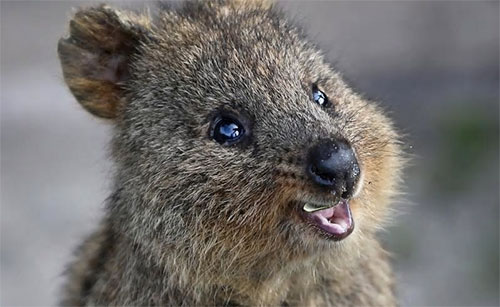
x=333, y=166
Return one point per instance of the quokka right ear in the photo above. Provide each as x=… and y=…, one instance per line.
x=95, y=57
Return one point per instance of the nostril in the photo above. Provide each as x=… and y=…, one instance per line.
x=324, y=176
x=333, y=165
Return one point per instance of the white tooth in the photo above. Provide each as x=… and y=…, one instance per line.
x=312, y=207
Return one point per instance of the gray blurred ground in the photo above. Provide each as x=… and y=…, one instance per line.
x=434, y=65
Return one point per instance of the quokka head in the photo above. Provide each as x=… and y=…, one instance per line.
x=234, y=139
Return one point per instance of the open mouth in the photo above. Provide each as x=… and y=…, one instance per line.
x=335, y=222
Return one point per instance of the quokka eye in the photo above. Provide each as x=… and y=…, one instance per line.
x=319, y=96
x=227, y=130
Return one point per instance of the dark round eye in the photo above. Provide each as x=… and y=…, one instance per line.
x=227, y=130
x=319, y=96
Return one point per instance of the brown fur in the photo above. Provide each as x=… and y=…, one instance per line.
x=192, y=222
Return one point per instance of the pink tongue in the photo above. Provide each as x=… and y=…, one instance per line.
x=336, y=220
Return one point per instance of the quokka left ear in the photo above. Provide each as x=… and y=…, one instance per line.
x=95, y=57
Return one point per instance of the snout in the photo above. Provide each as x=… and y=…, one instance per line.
x=332, y=166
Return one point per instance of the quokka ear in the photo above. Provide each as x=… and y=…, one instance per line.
x=95, y=57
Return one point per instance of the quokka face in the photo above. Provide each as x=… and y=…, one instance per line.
x=234, y=139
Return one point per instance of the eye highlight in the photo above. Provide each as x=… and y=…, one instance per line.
x=319, y=96
x=227, y=130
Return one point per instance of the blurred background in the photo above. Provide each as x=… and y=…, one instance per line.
x=434, y=65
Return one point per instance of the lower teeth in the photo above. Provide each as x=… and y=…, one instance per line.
x=312, y=208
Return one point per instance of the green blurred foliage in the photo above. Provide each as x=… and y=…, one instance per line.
x=469, y=138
